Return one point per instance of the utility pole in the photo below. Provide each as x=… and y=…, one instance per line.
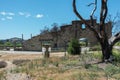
x=31, y=36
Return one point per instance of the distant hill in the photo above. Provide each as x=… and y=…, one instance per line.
x=15, y=39
x=12, y=40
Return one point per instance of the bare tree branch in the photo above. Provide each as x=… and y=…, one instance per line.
x=115, y=39
x=112, y=19
x=103, y=14
x=93, y=11
x=77, y=14
x=90, y=4
x=115, y=18
x=83, y=20
x=95, y=7
x=104, y=11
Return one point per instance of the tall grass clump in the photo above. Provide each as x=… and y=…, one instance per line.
x=111, y=70
x=2, y=75
x=116, y=54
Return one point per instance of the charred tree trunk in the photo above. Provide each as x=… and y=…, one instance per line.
x=107, y=46
x=106, y=51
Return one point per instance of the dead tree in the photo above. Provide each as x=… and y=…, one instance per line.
x=101, y=35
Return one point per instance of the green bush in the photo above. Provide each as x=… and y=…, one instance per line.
x=74, y=47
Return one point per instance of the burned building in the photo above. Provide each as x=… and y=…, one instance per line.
x=76, y=30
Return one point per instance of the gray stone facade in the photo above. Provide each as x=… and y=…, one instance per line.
x=75, y=30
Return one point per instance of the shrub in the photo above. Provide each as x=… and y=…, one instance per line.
x=74, y=47
x=3, y=64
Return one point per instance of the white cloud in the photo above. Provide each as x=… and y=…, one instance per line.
x=21, y=13
x=39, y=16
x=11, y=14
x=7, y=13
x=24, y=14
x=3, y=19
x=9, y=17
x=3, y=13
x=27, y=15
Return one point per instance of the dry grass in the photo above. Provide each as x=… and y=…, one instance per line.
x=11, y=57
x=2, y=74
x=58, y=67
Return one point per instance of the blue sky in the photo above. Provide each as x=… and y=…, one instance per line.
x=30, y=16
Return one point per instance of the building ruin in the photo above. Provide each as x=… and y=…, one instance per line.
x=67, y=32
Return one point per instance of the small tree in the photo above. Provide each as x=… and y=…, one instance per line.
x=74, y=47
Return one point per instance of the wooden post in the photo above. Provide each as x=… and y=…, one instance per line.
x=47, y=53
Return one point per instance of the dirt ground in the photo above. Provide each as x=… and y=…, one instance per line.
x=13, y=55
